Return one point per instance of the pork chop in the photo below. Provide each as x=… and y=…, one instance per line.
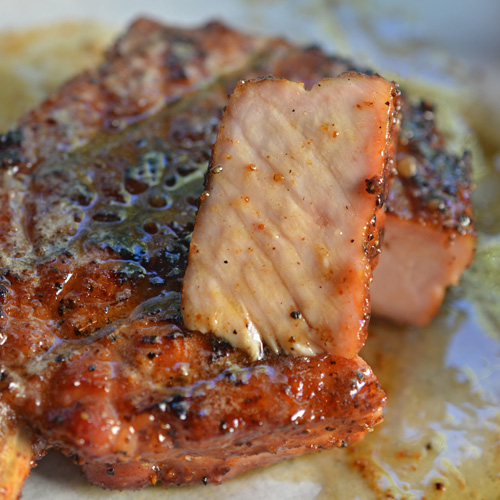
x=429, y=204
x=280, y=253
x=429, y=234
x=94, y=247
x=97, y=205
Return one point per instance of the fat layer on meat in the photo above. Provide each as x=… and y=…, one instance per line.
x=279, y=250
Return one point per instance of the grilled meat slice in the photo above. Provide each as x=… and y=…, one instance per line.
x=280, y=253
x=96, y=239
x=429, y=233
x=184, y=408
x=95, y=356
x=429, y=236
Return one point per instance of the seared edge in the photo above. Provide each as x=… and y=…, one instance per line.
x=198, y=424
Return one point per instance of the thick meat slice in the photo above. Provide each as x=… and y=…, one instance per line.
x=279, y=250
x=185, y=409
x=429, y=234
x=93, y=354
x=94, y=240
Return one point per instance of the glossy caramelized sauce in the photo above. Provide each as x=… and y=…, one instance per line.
x=441, y=436
x=103, y=244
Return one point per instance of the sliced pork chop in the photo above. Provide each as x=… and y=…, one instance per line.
x=94, y=355
x=105, y=244
x=429, y=234
x=153, y=64
x=279, y=254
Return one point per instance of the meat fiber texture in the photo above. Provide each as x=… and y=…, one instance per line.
x=99, y=189
x=280, y=251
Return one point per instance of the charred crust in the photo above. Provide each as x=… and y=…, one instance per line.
x=10, y=148
x=65, y=304
x=149, y=339
x=438, y=191
x=375, y=185
x=220, y=348
x=177, y=404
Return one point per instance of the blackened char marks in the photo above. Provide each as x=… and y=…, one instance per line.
x=433, y=184
x=10, y=148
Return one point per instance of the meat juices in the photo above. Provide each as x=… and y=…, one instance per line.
x=280, y=253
